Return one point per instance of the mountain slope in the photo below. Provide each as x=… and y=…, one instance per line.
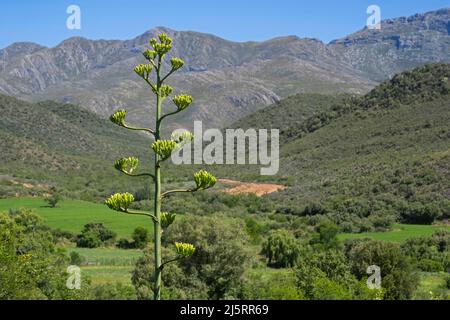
x=401, y=44
x=367, y=165
x=63, y=145
x=228, y=80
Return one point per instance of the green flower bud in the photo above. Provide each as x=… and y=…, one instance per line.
x=184, y=249
x=182, y=138
x=176, y=63
x=166, y=90
x=164, y=46
x=182, y=101
x=167, y=219
x=120, y=201
x=204, y=180
x=127, y=165
x=118, y=117
x=163, y=38
x=164, y=148
x=144, y=70
x=149, y=54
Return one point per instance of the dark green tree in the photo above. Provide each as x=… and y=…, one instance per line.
x=281, y=249
x=399, y=280
x=140, y=237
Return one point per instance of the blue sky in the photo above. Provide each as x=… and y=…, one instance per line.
x=44, y=21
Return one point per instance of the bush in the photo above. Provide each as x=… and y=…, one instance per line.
x=76, y=259
x=60, y=235
x=31, y=266
x=95, y=235
x=418, y=213
x=281, y=249
x=326, y=236
x=313, y=209
x=326, y=276
x=140, y=237
x=428, y=265
x=430, y=253
x=215, y=270
x=447, y=282
x=125, y=244
x=398, y=277
x=53, y=200
x=260, y=286
x=116, y=291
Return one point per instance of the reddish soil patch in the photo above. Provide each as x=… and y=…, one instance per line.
x=259, y=189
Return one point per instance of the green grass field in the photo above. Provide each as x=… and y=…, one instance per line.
x=108, y=265
x=400, y=233
x=72, y=215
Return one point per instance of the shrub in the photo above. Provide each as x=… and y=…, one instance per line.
x=214, y=271
x=125, y=244
x=117, y=291
x=95, y=235
x=447, y=282
x=141, y=237
x=53, y=200
x=398, y=277
x=281, y=249
x=418, y=213
x=428, y=265
x=76, y=259
x=313, y=209
x=31, y=266
x=326, y=236
x=60, y=235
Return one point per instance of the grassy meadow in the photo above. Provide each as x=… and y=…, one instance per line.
x=399, y=233
x=72, y=215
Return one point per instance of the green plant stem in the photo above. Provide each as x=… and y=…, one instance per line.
x=167, y=193
x=138, y=129
x=141, y=214
x=157, y=181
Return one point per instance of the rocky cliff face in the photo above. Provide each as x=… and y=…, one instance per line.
x=401, y=44
x=227, y=79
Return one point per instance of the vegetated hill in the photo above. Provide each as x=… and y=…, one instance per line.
x=62, y=144
x=290, y=113
x=374, y=162
x=227, y=79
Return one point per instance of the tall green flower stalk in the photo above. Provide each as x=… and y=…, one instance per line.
x=152, y=74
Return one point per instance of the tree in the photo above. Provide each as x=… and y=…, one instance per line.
x=418, y=213
x=53, y=200
x=326, y=236
x=95, y=235
x=281, y=249
x=163, y=150
x=31, y=267
x=215, y=270
x=398, y=277
x=325, y=275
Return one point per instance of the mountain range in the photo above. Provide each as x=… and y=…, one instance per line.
x=228, y=79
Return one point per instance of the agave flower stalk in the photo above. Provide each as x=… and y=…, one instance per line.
x=163, y=149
